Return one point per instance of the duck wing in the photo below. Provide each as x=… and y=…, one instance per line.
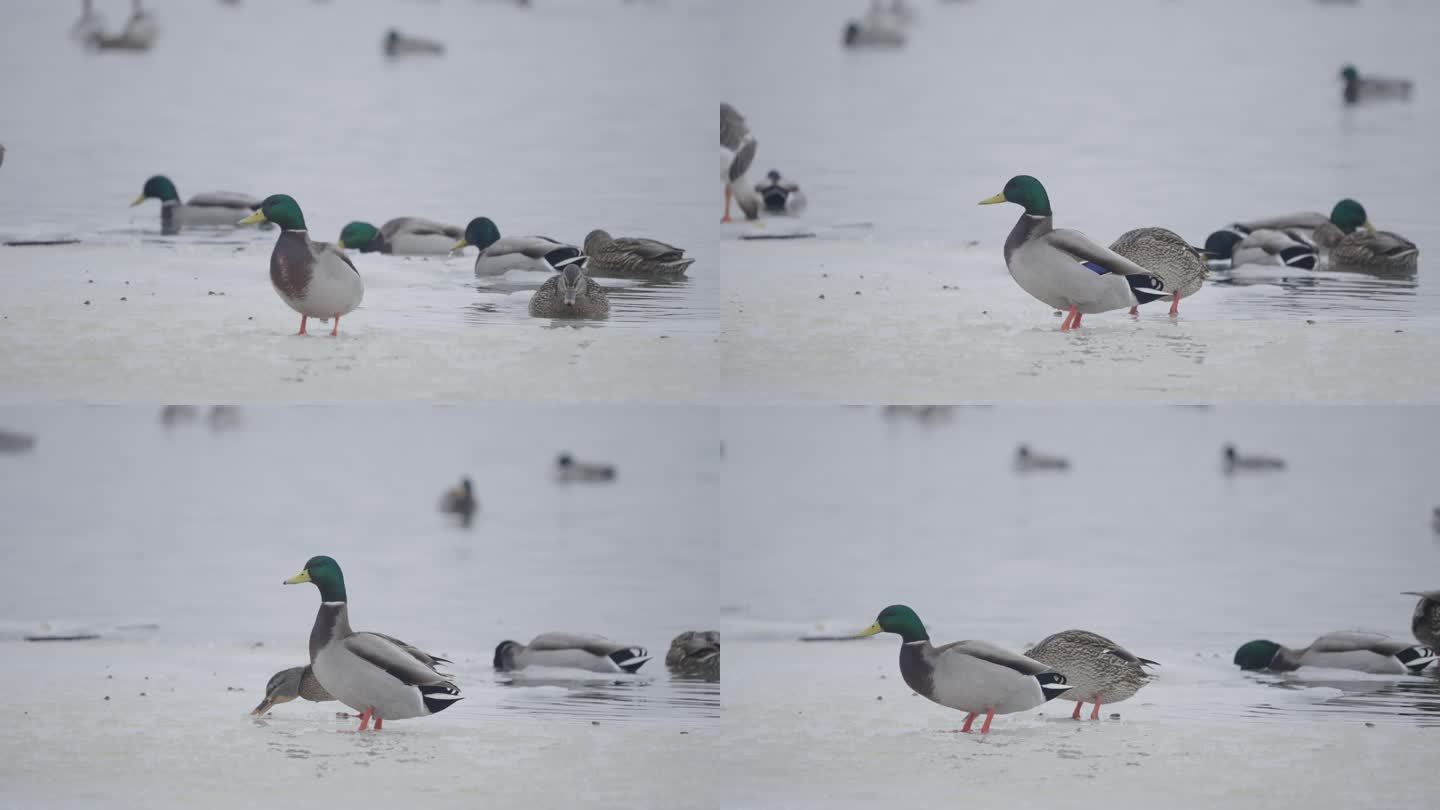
x=592, y=644
x=420, y=655
x=1308, y=220
x=382, y=652
x=224, y=199
x=318, y=249
x=420, y=227
x=649, y=248
x=991, y=653
x=1350, y=641
x=1082, y=249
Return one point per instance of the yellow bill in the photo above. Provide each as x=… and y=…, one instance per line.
x=1368, y=227
x=998, y=198
x=303, y=576
x=137, y=201
x=258, y=216
x=870, y=631
x=340, y=243
x=460, y=245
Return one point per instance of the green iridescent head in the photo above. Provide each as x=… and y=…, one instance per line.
x=1254, y=655
x=1347, y=215
x=325, y=573
x=359, y=236
x=1026, y=192
x=158, y=187
x=898, y=619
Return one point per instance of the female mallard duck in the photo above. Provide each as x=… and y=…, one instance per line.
x=1233, y=461
x=288, y=684
x=973, y=676
x=368, y=672
x=624, y=257
x=780, y=196
x=1425, y=624
x=404, y=236
x=315, y=279
x=460, y=501
x=572, y=651
x=1027, y=461
x=213, y=209
x=567, y=469
x=570, y=293
x=497, y=255
x=1180, y=267
x=1098, y=670
x=1371, y=88
x=1062, y=267
x=1371, y=251
x=1362, y=652
x=695, y=654
x=737, y=151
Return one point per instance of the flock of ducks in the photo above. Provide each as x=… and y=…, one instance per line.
x=980, y=678
x=462, y=502
x=776, y=196
x=1232, y=461
x=383, y=678
x=319, y=279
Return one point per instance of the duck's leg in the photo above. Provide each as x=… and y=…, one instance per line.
x=378, y=722
x=726, y=218
x=1175, y=305
x=989, y=715
x=969, y=720
x=365, y=719
x=1069, y=319
x=1135, y=311
x=1095, y=712
x=1078, y=707
x=335, y=330
x=1076, y=323
x=302, y=331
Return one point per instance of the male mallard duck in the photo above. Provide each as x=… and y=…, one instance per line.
x=316, y=279
x=1026, y=461
x=632, y=257
x=397, y=44
x=1233, y=461
x=1363, y=652
x=1291, y=247
x=570, y=293
x=1098, y=670
x=497, y=255
x=780, y=196
x=570, y=650
x=1425, y=624
x=1303, y=230
x=1062, y=267
x=213, y=209
x=368, y=672
x=1370, y=88
x=568, y=469
x=1180, y=267
x=695, y=654
x=403, y=236
x=737, y=150
x=460, y=501
x=972, y=676
x=288, y=684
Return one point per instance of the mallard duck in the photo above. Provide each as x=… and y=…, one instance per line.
x=316, y=279
x=139, y=33
x=874, y=30
x=368, y=672
x=497, y=255
x=1371, y=88
x=1371, y=251
x=973, y=676
x=1062, y=267
x=737, y=151
x=172, y=415
x=1180, y=266
x=570, y=293
x=1308, y=229
x=780, y=196
x=568, y=469
x=397, y=44
x=403, y=236
x=11, y=442
x=1363, y=652
x=1289, y=247
x=90, y=25
x=1233, y=461
x=608, y=256
x=695, y=654
x=460, y=501
x=223, y=417
x=1425, y=624
x=1098, y=670
x=213, y=209
x=572, y=651
x=1026, y=461
x=288, y=684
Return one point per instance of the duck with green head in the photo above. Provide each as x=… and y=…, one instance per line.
x=369, y=672
x=1362, y=652
x=976, y=677
x=403, y=236
x=1296, y=240
x=212, y=209
x=1062, y=267
x=316, y=279
x=1359, y=88
x=499, y=254
x=1356, y=245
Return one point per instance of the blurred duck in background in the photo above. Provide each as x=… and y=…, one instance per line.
x=568, y=469
x=1027, y=460
x=780, y=196
x=397, y=44
x=140, y=32
x=1359, y=88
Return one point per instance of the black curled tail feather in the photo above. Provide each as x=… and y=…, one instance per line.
x=630, y=659
x=440, y=696
x=1416, y=658
x=1052, y=684
x=1299, y=256
x=1142, y=285
x=561, y=256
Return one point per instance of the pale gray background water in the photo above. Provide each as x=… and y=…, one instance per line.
x=1187, y=115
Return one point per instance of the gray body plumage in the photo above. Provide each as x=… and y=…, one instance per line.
x=1097, y=669
x=368, y=671
x=974, y=676
x=315, y=279
x=570, y=651
x=628, y=257
x=695, y=654
x=590, y=299
x=1046, y=262
x=1291, y=247
x=1362, y=652
x=1166, y=254
x=1425, y=624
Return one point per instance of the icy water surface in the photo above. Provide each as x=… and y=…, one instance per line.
x=170, y=545
x=1145, y=541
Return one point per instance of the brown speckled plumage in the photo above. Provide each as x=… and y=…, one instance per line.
x=627, y=257
x=1378, y=252
x=1166, y=255
x=1425, y=623
x=1095, y=667
x=590, y=301
x=695, y=654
